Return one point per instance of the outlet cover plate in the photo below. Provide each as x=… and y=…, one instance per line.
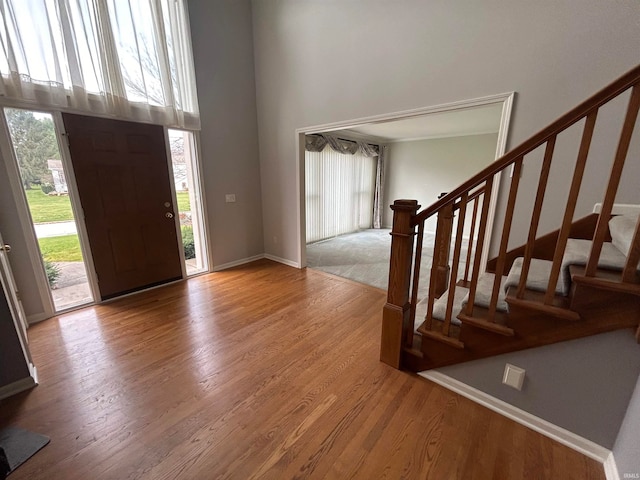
x=513, y=376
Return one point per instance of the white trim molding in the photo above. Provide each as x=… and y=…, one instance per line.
x=610, y=468
x=38, y=317
x=282, y=260
x=235, y=263
x=546, y=428
x=242, y=261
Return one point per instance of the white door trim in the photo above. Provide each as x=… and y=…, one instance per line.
x=506, y=99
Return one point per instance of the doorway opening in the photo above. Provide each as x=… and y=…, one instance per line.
x=186, y=178
x=44, y=180
x=425, y=152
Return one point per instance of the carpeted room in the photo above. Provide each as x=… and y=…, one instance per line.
x=422, y=158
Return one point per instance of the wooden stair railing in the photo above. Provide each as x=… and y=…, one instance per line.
x=474, y=196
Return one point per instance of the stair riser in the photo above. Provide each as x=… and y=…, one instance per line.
x=588, y=300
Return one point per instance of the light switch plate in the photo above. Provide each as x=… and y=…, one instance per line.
x=230, y=197
x=513, y=376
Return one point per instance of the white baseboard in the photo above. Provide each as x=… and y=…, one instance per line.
x=36, y=318
x=268, y=256
x=18, y=386
x=236, y=263
x=610, y=468
x=282, y=260
x=33, y=372
x=548, y=429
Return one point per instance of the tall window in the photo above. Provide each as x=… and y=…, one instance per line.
x=126, y=58
x=339, y=193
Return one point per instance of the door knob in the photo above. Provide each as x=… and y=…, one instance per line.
x=6, y=248
x=168, y=215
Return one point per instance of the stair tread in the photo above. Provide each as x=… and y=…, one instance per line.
x=538, y=276
x=576, y=253
x=484, y=289
x=440, y=306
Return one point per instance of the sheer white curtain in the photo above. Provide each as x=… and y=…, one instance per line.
x=130, y=59
x=339, y=193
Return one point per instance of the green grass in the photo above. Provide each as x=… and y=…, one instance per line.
x=183, y=201
x=65, y=248
x=48, y=208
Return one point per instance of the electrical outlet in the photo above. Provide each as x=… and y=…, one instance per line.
x=230, y=197
x=513, y=376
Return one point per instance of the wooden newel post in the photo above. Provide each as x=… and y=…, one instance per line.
x=442, y=248
x=396, y=328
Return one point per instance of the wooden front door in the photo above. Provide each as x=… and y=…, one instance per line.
x=123, y=181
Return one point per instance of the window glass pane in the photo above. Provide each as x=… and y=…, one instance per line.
x=189, y=200
x=133, y=25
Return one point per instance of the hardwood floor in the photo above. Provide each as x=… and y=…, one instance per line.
x=262, y=371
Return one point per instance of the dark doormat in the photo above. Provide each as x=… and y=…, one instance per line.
x=19, y=445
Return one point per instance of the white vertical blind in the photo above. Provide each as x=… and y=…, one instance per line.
x=339, y=193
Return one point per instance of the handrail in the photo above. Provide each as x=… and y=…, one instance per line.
x=484, y=298
x=470, y=197
x=565, y=121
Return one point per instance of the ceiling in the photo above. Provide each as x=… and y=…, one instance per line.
x=468, y=121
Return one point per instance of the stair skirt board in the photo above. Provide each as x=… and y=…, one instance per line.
x=544, y=427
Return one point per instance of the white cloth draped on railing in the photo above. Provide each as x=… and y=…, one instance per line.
x=318, y=142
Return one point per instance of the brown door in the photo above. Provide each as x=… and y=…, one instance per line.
x=123, y=180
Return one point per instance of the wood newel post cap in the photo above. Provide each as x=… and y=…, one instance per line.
x=405, y=205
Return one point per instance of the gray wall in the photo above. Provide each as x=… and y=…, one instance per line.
x=626, y=450
x=583, y=385
x=223, y=55
x=322, y=61
x=423, y=169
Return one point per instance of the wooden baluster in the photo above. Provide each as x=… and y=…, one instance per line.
x=602, y=228
x=535, y=217
x=442, y=248
x=456, y=260
x=416, y=279
x=471, y=233
x=504, y=241
x=396, y=326
x=479, y=246
x=563, y=235
x=440, y=264
x=629, y=274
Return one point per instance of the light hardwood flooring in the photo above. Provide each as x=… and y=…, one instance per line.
x=262, y=371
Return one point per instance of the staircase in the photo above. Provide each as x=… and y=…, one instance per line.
x=579, y=280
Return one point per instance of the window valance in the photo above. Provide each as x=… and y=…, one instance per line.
x=317, y=143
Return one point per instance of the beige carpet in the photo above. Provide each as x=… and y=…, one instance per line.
x=364, y=257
